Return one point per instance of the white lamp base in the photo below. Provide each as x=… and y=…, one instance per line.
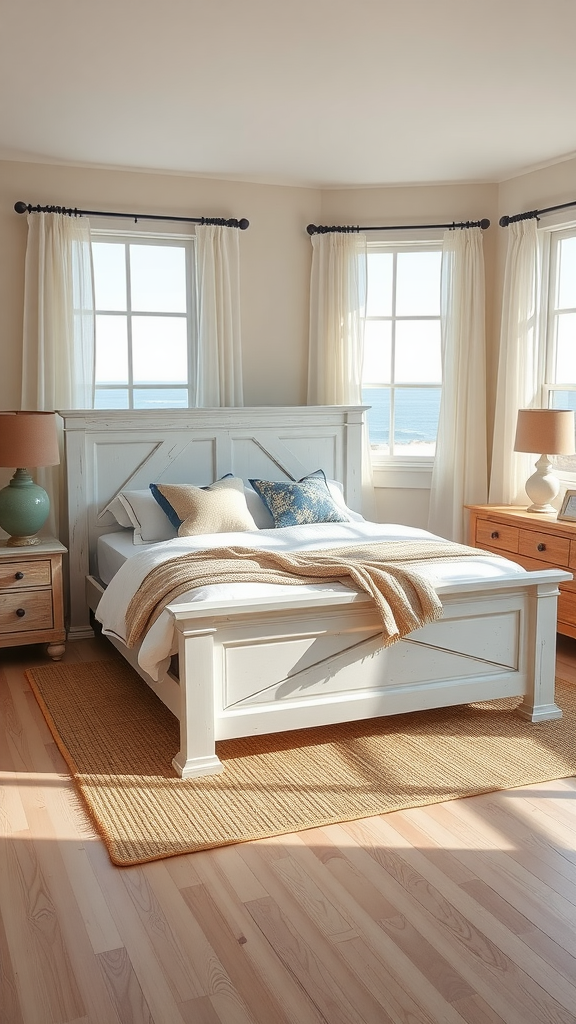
x=542, y=487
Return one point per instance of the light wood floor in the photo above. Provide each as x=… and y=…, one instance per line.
x=464, y=911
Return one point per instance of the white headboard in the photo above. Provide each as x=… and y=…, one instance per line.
x=108, y=450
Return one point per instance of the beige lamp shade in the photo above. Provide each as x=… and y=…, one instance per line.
x=28, y=439
x=549, y=431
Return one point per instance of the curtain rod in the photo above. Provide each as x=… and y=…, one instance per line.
x=321, y=229
x=505, y=221
x=21, y=207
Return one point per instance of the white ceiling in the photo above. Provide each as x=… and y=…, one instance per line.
x=306, y=92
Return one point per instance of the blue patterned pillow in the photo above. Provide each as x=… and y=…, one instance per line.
x=296, y=504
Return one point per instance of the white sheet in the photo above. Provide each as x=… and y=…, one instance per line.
x=112, y=550
x=158, y=645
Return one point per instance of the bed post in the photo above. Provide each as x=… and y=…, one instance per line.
x=539, y=704
x=197, y=754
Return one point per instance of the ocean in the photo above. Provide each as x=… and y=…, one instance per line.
x=415, y=414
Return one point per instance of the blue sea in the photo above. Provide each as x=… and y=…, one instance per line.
x=415, y=414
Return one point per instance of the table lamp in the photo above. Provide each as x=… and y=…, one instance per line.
x=550, y=431
x=26, y=439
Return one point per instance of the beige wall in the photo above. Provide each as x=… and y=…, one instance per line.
x=275, y=257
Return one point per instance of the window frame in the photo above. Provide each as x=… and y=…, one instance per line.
x=400, y=470
x=550, y=238
x=137, y=235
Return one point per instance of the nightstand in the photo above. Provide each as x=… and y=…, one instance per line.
x=31, y=596
x=535, y=541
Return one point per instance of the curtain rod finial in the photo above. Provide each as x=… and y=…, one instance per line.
x=311, y=229
x=485, y=223
x=504, y=221
x=20, y=207
x=243, y=224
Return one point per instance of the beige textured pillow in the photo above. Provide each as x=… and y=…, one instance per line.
x=219, y=508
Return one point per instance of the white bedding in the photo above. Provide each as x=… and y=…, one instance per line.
x=159, y=643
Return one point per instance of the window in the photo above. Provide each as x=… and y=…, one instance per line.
x=145, y=320
x=402, y=375
x=560, y=330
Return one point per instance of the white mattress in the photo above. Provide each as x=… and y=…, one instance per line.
x=112, y=550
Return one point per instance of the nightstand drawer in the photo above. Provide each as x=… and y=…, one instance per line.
x=544, y=546
x=19, y=573
x=495, y=535
x=26, y=612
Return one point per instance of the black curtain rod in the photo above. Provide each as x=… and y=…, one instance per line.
x=21, y=207
x=321, y=229
x=505, y=221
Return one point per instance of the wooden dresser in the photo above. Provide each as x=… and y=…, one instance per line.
x=31, y=596
x=534, y=540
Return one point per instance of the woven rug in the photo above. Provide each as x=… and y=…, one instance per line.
x=118, y=740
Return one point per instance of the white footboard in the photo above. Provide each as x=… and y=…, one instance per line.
x=292, y=663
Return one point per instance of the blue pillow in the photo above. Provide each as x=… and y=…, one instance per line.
x=298, y=503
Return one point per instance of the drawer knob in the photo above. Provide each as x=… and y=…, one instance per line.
x=20, y=612
x=541, y=547
x=494, y=535
x=18, y=575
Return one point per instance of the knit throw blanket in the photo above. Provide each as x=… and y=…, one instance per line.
x=388, y=571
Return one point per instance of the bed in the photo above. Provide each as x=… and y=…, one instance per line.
x=286, y=658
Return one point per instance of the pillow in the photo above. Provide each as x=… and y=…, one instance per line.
x=219, y=508
x=258, y=509
x=307, y=501
x=337, y=491
x=138, y=509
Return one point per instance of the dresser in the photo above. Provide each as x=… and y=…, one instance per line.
x=535, y=541
x=31, y=596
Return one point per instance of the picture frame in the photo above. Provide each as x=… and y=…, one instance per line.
x=567, y=512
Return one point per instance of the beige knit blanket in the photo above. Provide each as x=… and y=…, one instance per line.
x=387, y=570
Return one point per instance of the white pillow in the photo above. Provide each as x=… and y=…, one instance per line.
x=337, y=491
x=140, y=510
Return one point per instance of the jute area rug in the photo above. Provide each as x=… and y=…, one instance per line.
x=118, y=740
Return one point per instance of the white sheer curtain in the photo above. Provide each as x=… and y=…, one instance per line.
x=336, y=347
x=460, y=474
x=517, y=386
x=219, y=365
x=58, y=342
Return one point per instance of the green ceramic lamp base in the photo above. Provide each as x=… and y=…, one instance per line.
x=24, y=508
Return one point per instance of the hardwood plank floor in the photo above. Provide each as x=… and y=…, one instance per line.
x=458, y=912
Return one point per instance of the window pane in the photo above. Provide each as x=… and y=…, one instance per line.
x=418, y=284
x=160, y=398
x=566, y=348
x=417, y=351
x=158, y=278
x=377, y=352
x=378, y=416
x=109, y=260
x=379, y=299
x=159, y=349
x=110, y=398
x=111, y=350
x=416, y=421
x=567, y=274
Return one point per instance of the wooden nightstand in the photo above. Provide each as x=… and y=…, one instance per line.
x=31, y=596
x=535, y=541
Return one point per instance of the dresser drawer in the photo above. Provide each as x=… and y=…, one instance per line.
x=566, y=607
x=545, y=546
x=20, y=574
x=496, y=536
x=36, y=607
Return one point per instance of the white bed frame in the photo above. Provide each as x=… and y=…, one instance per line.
x=299, y=661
